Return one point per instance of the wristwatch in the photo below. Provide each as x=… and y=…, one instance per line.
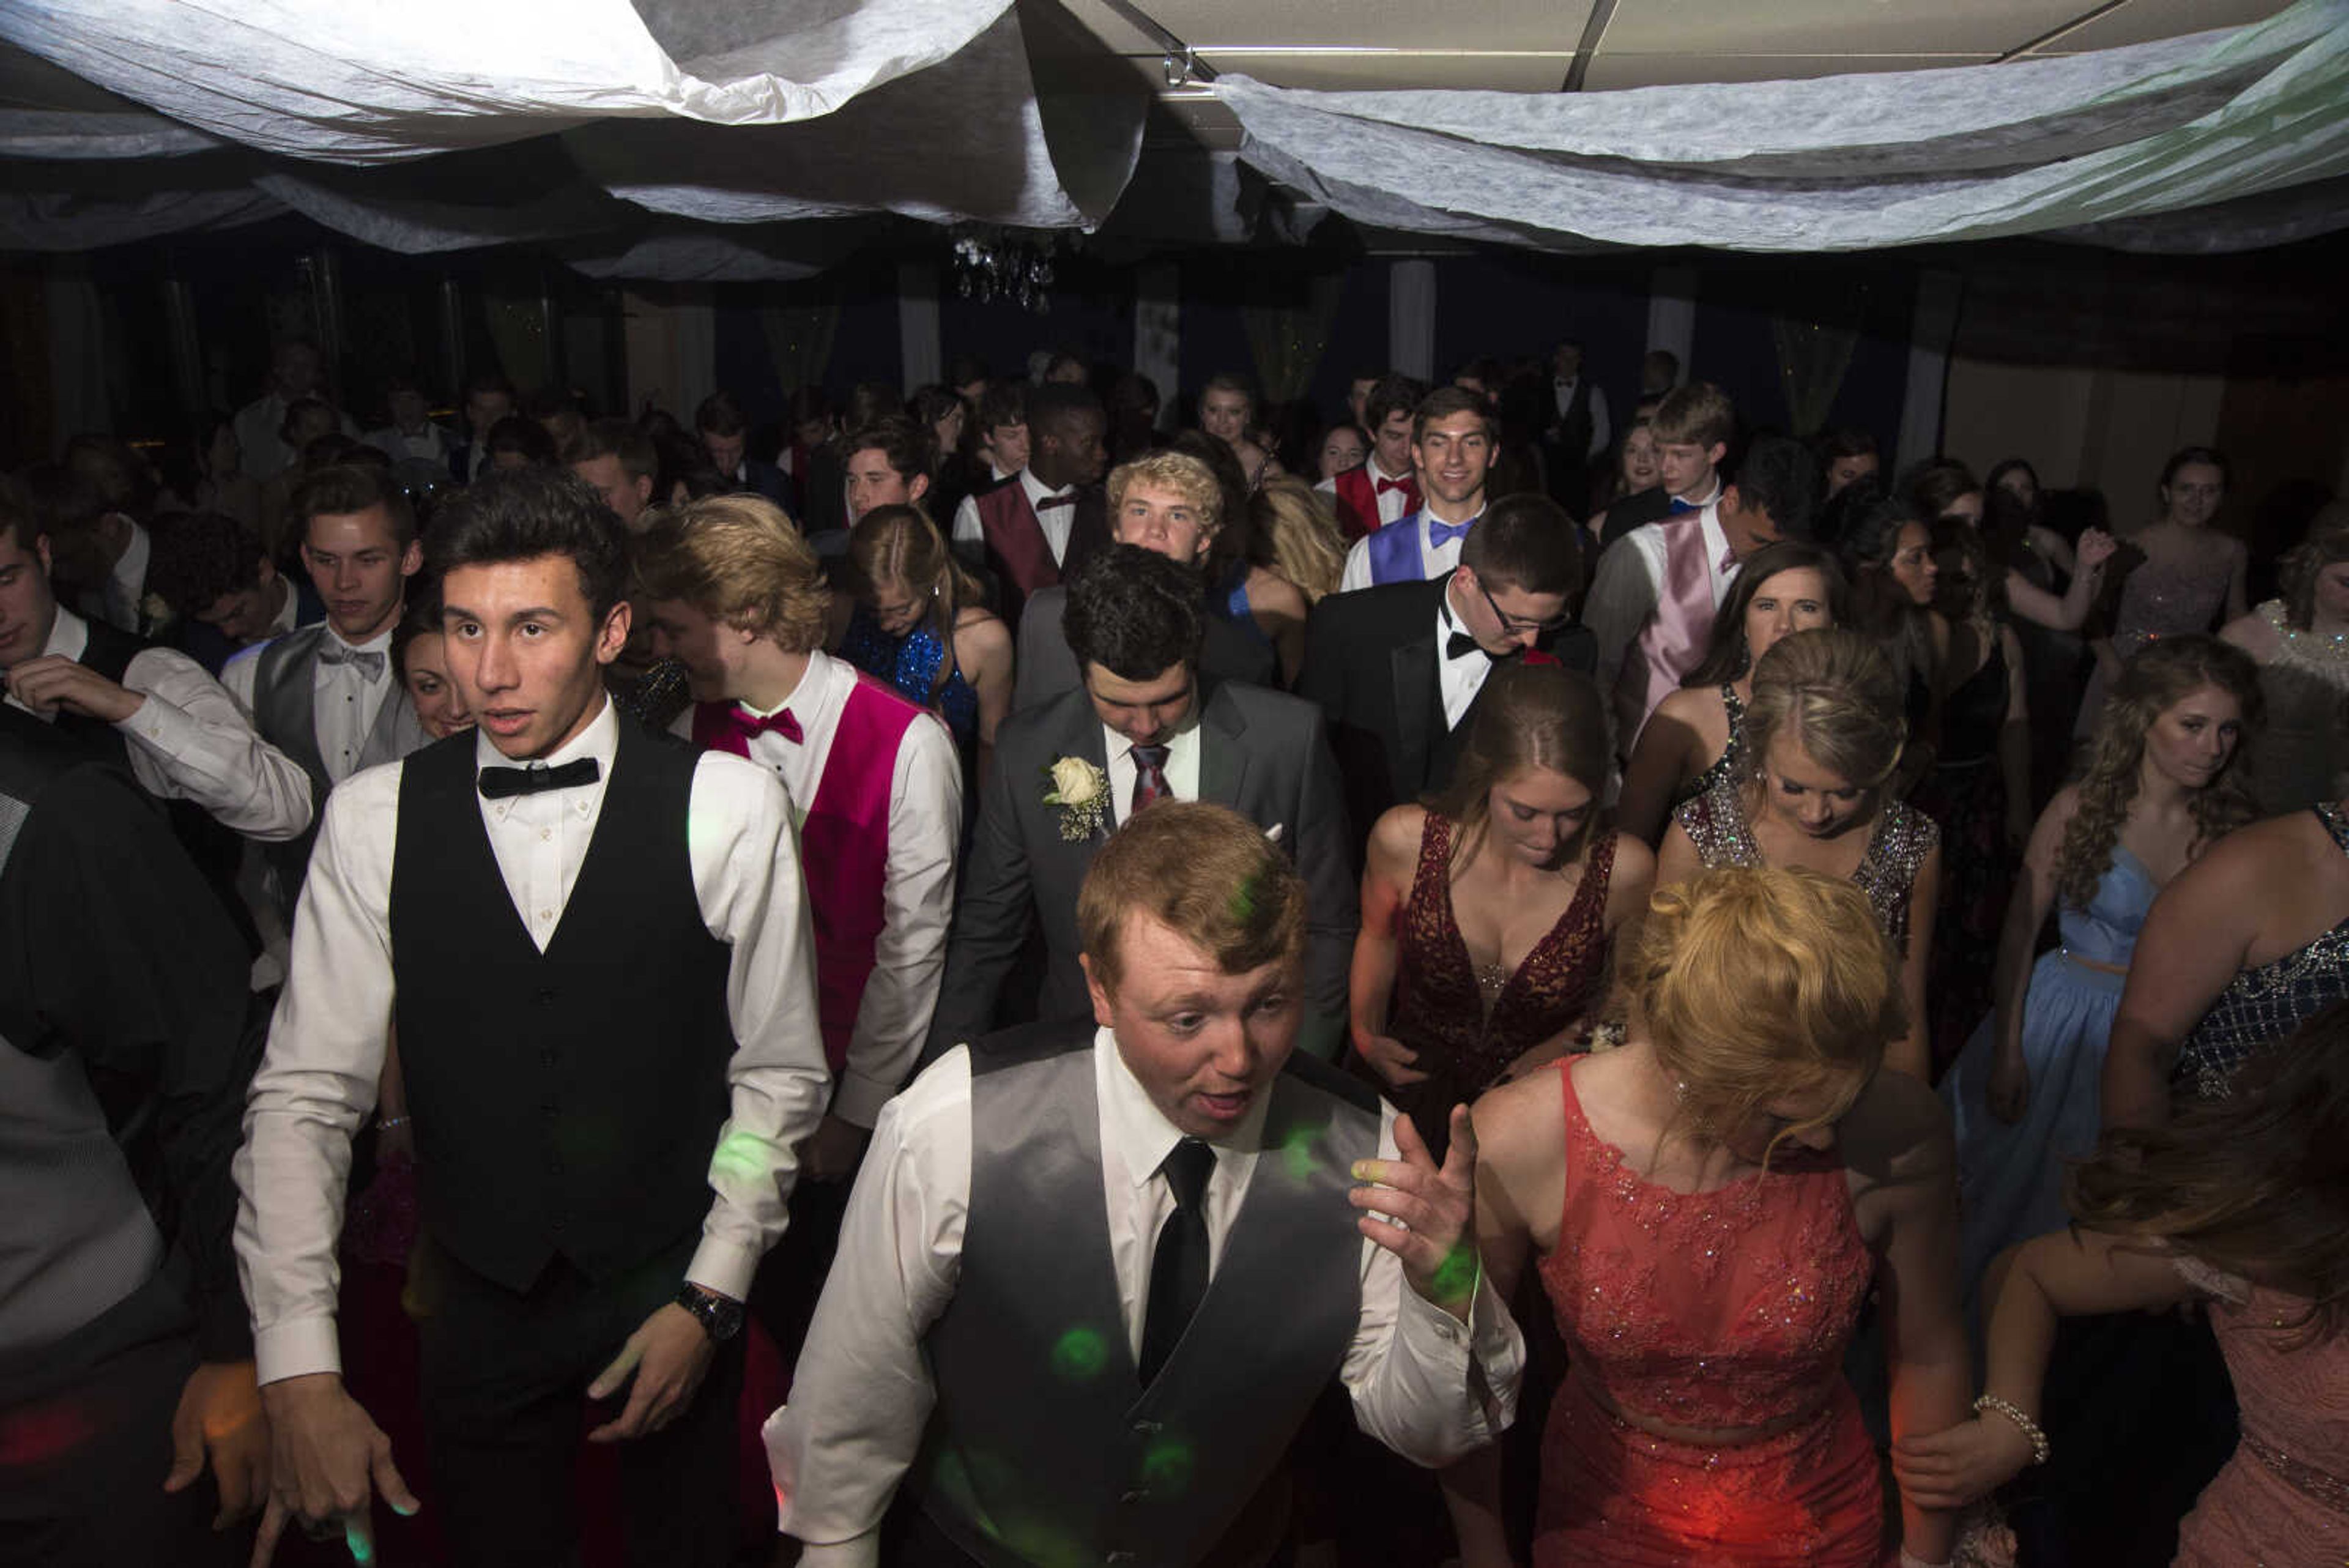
x=720, y=1318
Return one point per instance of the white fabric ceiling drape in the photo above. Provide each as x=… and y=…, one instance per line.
x=2110, y=146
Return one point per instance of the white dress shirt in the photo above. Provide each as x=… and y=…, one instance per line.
x=1181, y=767
x=917, y=896
x=1434, y=560
x=1457, y=680
x=862, y=1394
x=190, y=741
x=1628, y=583
x=126, y=585
x=429, y=444
x=326, y=1043
x=344, y=701
x=1392, y=504
x=1057, y=522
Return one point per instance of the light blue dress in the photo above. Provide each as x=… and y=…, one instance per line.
x=2011, y=1178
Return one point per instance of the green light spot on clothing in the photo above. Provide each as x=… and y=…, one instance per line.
x=1080, y=1355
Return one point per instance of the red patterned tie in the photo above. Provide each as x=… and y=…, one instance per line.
x=1149, y=776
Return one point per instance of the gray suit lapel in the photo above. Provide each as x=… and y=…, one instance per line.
x=1222, y=750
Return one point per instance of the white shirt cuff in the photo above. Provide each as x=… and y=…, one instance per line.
x=160, y=726
x=724, y=1266
x=859, y=1099
x=858, y=1551
x=297, y=1348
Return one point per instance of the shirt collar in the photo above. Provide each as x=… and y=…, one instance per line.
x=380, y=643
x=1377, y=473
x=1038, y=490
x=1140, y=1131
x=1115, y=745
x=68, y=636
x=287, y=613
x=600, y=740
x=1717, y=540
x=816, y=681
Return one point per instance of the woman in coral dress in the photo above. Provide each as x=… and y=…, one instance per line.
x=1709, y=1205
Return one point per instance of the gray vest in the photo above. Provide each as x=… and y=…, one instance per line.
x=76, y=1236
x=1044, y=1448
x=284, y=713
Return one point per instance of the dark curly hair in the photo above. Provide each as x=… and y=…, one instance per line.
x=200, y=557
x=522, y=514
x=1134, y=613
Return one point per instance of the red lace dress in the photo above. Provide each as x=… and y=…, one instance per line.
x=1466, y=1027
x=1720, y=1309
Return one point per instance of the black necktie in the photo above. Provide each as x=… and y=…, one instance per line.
x=1460, y=645
x=1178, y=1269
x=497, y=784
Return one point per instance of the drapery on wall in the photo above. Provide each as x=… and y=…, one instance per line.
x=2111, y=147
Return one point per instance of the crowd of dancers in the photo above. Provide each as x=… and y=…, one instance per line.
x=564, y=971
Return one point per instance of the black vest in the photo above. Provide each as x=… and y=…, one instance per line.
x=565, y=1103
x=1043, y=1446
x=215, y=849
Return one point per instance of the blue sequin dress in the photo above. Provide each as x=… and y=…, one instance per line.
x=910, y=663
x=2262, y=1006
x=2011, y=1178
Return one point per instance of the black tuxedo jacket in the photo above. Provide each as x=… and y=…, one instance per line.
x=1370, y=664
x=1653, y=505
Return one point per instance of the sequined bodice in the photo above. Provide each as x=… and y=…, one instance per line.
x=1715, y=823
x=1441, y=1000
x=2168, y=598
x=2106, y=931
x=1725, y=767
x=910, y=664
x=2262, y=1005
x=1729, y=1308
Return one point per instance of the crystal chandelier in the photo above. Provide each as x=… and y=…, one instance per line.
x=998, y=264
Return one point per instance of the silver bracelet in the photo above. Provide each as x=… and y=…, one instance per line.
x=2039, y=1450
x=386, y=1123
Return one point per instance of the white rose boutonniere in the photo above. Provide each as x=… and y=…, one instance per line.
x=1081, y=792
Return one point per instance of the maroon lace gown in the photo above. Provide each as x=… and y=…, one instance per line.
x=1466, y=1032
x=1722, y=1308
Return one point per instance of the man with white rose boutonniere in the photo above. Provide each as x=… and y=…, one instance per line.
x=1141, y=728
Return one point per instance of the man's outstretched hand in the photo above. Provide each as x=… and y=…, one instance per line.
x=219, y=1420
x=1437, y=1207
x=330, y=1460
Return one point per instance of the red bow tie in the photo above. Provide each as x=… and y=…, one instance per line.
x=1387, y=484
x=742, y=722
x=1049, y=501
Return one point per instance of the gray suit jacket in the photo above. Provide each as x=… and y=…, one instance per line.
x=1262, y=754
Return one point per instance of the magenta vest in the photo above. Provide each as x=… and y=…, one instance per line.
x=1358, y=501
x=1672, y=641
x=843, y=844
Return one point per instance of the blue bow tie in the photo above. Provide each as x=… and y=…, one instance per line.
x=1680, y=506
x=1441, y=534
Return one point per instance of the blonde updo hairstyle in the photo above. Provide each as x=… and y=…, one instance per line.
x=1757, y=984
x=1836, y=692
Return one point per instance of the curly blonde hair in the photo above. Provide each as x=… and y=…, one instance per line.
x=1186, y=476
x=2160, y=675
x=1757, y=983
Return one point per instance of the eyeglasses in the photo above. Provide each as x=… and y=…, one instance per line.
x=1518, y=623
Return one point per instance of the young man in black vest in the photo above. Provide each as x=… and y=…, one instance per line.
x=182, y=737
x=594, y=948
x=1094, y=1273
x=326, y=695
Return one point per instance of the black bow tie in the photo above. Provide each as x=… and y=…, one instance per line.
x=1460, y=645
x=497, y=784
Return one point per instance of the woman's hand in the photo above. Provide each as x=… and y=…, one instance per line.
x=1950, y=1469
x=1393, y=1059
x=2008, y=1093
x=2095, y=549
